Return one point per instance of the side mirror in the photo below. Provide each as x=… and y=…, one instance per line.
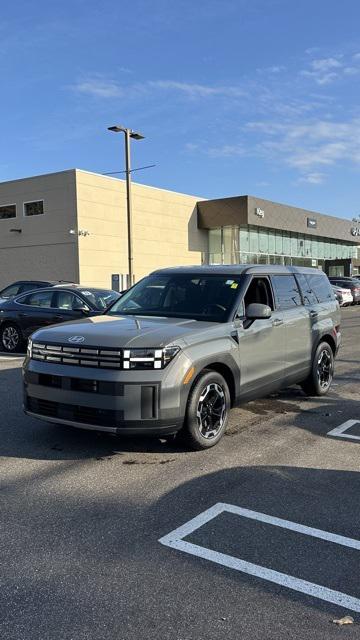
x=257, y=311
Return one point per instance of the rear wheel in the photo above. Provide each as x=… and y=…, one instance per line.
x=11, y=338
x=319, y=381
x=207, y=411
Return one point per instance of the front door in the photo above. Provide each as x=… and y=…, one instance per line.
x=261, y=343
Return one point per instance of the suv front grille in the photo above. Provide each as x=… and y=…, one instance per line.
x=74, y=413
x=79, y=356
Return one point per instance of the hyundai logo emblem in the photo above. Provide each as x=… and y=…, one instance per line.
x=76, y=339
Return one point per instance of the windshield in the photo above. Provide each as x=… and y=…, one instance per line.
x=100, y=298
x=208, y=297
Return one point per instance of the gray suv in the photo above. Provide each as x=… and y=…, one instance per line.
x=183, y=346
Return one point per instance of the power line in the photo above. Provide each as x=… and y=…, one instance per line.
x=113, y=173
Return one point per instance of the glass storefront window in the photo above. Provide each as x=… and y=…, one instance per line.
x=263, y=241
x=260, y=245
x=254, y=240
x=286, y=243
x=244, y=239
x=278, y=242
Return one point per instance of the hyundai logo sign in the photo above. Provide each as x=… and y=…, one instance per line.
x=355, y=231
x=76, y=339
x=312, y=223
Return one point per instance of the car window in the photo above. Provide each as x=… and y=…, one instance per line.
x=201, y=297
x=100, y=298
x=320, y=285
x=66, y=301
x=308, y=295
x=39, y=299
x=287, y=292
x=12, y=290
x=259, y=291
x=30, y=286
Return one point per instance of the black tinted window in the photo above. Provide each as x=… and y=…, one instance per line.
x=286, y=292
x=31, y=286
x=307, y=293
x=320, y=285
x=10, y=291
x=202, y=297
x=41, y=299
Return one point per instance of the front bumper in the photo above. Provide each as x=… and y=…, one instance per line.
x=121, y=402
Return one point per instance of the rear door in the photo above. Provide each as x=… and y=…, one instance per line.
x=297, y=329
x=35, y=311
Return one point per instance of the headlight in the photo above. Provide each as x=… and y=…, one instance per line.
x=149, y=358
x=29, y=348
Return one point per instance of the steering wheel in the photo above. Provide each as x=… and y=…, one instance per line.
x=213, y=309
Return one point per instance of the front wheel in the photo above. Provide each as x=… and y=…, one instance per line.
x=10, y=338
x=322, y=372
x=207, y=411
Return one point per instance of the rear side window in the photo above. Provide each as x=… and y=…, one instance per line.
x=308, y=295
x=321, y=286
x=10, y=291
x=41, y=299
x=29, y=286
x=287, y=292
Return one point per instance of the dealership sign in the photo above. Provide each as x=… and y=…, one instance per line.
x=312, y=223
x=355, y=231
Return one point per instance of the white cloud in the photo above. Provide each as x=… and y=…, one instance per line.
x=351, y=71
x=308, y=146
x=325, y=64
x=313, y=178
x=98, y=88
x=194, y=90
x=227, y=151
x=325, y=71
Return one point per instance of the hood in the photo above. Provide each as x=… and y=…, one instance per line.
x=124, y=331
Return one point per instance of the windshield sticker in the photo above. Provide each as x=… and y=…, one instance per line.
x=229, y=282
x=234, y=285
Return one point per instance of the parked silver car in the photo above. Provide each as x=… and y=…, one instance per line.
x=343, y=295
x=183, y=346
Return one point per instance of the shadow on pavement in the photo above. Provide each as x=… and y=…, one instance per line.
x=93, y=564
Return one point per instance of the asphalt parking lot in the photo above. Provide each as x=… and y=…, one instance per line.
x=98, y=538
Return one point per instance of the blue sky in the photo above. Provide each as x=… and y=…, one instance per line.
x=233, y=96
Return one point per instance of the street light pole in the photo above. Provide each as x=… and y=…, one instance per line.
x=129, y=207
x=128, y=133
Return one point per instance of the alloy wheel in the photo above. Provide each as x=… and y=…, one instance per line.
x=10, y=338
x=211, y=410
x=324, y=369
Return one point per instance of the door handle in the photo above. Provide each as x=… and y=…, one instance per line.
x=57, y=317
x=277, y=322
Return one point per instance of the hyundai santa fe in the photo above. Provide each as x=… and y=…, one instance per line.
x=183, y=346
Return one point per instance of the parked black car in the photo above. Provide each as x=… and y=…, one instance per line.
x=22, y=315
x=22, y=286
x=348, y=283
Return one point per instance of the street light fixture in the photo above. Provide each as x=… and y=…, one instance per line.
x=128, y=133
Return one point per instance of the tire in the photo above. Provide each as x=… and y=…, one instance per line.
x=207, y=411
x=322, y=371
x=11, y=338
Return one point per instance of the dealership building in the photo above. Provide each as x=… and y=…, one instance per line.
x=72, y=225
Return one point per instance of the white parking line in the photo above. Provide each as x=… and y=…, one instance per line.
x=340, y=432
x=175, y=540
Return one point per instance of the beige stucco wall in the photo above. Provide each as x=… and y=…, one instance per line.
x=44, y=248
x=164, y=228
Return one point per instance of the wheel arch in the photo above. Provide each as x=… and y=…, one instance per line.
x=330, y=340
x=225, y=371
